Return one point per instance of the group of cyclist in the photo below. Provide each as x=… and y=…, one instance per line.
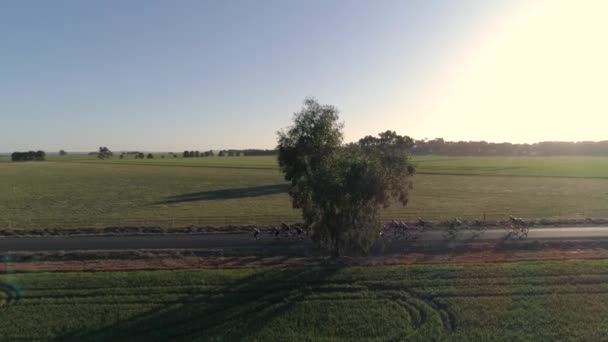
x=400, y=230
x=518, y=227
x=293, y=232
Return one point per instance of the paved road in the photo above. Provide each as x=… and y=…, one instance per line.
x=242, y=242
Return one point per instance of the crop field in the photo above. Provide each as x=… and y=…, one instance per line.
x=81, y=191
x=490, y=302
x=575, y=167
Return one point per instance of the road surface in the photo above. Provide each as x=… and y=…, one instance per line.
x=242, y=242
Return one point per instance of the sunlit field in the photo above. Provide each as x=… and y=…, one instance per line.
x=80, y=191
x=579, y=167
x=494, y=302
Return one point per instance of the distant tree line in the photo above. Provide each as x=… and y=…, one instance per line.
x=28, y=156
x=255, y=152
x=482, y=148
x=138, y=155
x=229, y=153
x=197, y=154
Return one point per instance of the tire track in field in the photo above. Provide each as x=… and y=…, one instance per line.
x=10, y=294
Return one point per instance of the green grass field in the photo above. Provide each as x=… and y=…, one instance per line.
x=548, y=301
x=576, y=167
x=81, y=191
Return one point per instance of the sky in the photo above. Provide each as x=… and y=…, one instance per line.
x=175, y=75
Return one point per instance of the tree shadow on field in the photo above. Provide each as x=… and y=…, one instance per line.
x=233, y=313
x=255, y=191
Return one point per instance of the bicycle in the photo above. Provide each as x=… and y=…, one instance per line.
x=452, y=232
x=517, y=228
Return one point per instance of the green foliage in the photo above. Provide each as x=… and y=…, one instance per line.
x=28, y=156
x=308, y=154
x=341, y=189
x=104, y=153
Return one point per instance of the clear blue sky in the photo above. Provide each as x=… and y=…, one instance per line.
x=175, y=75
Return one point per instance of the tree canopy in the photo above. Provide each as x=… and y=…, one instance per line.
x=342, y=188
x=28, y=156
x=104, y=153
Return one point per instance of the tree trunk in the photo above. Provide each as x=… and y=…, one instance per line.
x=335, y=250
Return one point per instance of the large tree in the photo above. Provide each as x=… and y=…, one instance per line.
x=341, y=189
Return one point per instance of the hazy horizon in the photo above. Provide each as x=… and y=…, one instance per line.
x=203, y=149
x=170, y=76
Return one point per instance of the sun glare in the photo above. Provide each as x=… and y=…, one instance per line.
x=540, y=74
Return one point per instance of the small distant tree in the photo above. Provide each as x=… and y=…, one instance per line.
x=162, y=156
x=150, y=156
x=341, y=189
x=104, y=153
x=221, y=154
x=122, y=156
x=186, y=154
x=140, y=155
x=62, y=153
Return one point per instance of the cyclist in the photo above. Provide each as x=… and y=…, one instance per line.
x=299, y=231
